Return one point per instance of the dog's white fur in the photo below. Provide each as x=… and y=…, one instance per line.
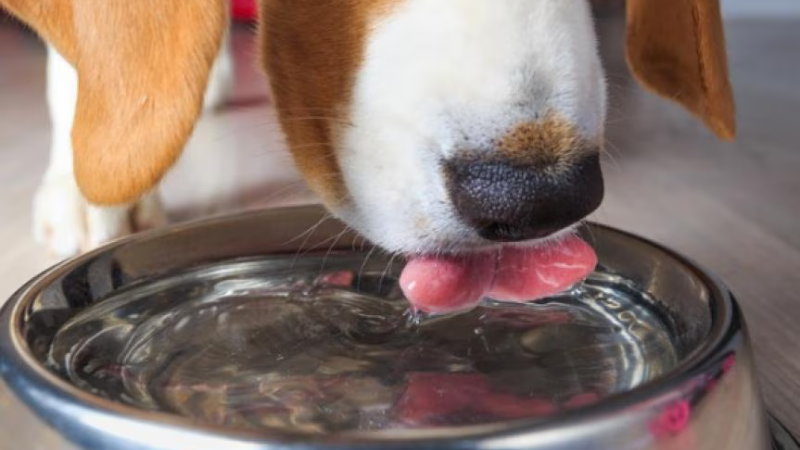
x=63, y=221
x=441, y=76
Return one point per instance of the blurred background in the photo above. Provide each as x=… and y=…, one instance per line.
x=734, y=208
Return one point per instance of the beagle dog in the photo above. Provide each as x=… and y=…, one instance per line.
x=429, y=126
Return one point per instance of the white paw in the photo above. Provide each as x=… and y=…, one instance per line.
x=66, y=224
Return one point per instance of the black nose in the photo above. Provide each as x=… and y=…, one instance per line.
x=507, y=202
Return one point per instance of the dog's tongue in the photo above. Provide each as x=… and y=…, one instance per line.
x=441, y=284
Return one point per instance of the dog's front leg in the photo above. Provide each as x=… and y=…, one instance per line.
x=63, y=220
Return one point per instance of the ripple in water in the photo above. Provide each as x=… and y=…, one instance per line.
x=270, y=344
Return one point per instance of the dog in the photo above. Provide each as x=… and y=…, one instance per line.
x=429, y=126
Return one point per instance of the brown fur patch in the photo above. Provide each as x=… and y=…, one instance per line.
x=311, y=51
x=142, y=72
x=546, y=142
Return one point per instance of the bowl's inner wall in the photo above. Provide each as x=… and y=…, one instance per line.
x=679, y=294
x=682, y=293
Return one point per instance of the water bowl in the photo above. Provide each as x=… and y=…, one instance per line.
x=282, y=330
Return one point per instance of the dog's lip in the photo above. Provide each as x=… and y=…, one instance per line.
x=465, y=248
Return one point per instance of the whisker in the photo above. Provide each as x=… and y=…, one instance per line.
x=588, y=228
x=387, y=269
x=308, y=233
x=297, y=186
x=330, y=249
x=363, y=266
x=607, y=152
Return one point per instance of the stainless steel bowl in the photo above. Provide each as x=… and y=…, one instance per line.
x=96, y=353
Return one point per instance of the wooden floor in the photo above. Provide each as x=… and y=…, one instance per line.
x=733, y=208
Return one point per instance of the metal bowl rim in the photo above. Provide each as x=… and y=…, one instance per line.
x=17, y=360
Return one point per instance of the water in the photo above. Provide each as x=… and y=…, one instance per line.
x=280, y=344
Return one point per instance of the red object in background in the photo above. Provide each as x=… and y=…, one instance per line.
x=243, y=10
x=673, y=420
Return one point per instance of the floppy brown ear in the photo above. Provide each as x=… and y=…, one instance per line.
x=142, y=70
x=677, y=49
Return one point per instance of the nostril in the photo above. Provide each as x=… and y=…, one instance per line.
x=507, y=202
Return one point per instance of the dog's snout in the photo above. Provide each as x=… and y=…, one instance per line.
x=507, y=202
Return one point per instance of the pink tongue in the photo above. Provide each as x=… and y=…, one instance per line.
x=455, y=283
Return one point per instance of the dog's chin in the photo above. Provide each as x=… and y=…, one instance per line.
x=550, y=240
x=480, y=245
x=452, y=238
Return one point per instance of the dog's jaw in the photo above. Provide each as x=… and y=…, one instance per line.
x=438, y=77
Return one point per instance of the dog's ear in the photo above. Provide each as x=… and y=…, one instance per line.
x=142, y=70
x=677, y=49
